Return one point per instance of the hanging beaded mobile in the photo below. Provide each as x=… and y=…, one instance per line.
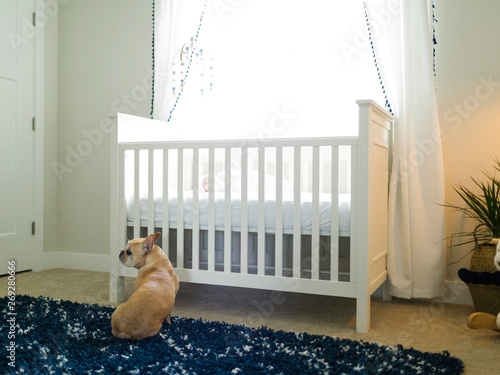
x=183, y=62
x=184, y=58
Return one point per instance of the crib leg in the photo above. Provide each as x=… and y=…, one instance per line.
x=363, y=314
x=116, y=288
x=386, y=296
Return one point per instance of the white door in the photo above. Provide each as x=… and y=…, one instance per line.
x=17, y=65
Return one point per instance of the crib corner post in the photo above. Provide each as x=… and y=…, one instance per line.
x=116, y=288
x=386, y=293
x=363, y=313
x=361, y=191
x=116, y=282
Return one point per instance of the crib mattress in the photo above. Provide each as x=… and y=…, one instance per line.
x=270, y=211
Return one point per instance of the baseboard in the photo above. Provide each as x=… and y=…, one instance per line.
x=456, y=292
x=76, y=261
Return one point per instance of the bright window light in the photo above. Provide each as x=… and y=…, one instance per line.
x=280, y=69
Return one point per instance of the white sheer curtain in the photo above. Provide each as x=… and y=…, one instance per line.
x=403, y=41
x=164, y=42
x=174, y=23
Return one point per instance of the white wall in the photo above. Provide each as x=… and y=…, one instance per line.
x=467, y=56
x=104, y=61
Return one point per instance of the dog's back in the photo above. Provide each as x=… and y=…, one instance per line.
x=151, y=303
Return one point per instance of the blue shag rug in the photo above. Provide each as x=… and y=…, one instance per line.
x=47, y=336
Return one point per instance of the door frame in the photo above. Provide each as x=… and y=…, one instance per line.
x=38, y=191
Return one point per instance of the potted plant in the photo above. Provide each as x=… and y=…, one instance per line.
x=484, y=207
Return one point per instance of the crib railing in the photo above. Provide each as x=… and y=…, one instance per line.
x=152, y=166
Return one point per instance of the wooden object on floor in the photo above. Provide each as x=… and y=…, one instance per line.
x=483, y=321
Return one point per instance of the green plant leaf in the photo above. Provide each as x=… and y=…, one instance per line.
x=484, y=207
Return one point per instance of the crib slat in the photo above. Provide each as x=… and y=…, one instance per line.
x=151, y=199
x=227, y=211
x=165, y=207
x=137, y=204
x=261, y=223
x=279, y=213
x=353, y=272
x=297, y=221
x=211, y=209
x=195, y=256
x=122, y=213
x=315, y=216
x=334, y=219
x=180, y=208
x=244, y=211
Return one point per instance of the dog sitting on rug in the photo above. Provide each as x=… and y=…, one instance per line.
x=154, y=294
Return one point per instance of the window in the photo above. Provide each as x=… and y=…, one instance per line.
x=280, y=69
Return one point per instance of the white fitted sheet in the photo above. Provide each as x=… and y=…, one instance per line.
x=270, y=211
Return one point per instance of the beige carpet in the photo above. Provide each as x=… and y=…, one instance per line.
x=425, y=326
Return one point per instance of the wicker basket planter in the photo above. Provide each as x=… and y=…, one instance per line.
x=483, y=280
x=486, y=298
x=482, y=258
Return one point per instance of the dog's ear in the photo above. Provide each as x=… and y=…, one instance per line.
x=156, y=236
x=149, y=242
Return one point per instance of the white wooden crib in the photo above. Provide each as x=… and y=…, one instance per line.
x=302, y=215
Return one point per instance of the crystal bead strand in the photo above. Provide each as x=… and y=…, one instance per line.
x=183, y=80
x=153, y=63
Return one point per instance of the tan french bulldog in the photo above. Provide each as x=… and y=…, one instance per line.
x=154, y=294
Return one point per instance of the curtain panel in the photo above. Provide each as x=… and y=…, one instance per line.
x=163, y=51
x=403, y=43
x=175, y=22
